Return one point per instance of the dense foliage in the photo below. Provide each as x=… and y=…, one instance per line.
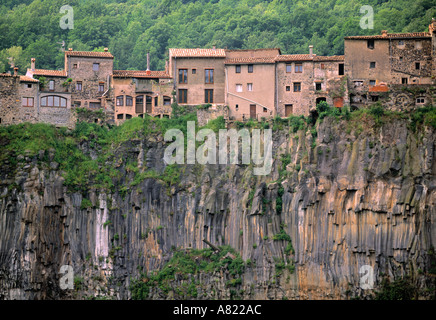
x=130, y=28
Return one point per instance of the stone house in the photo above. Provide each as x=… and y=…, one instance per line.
x=198, y=75
x=374, y=63
x=304, y=80
x=250, y=83
x=141, y=92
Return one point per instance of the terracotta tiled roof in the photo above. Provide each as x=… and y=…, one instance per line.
x=251, y=50
x=392, y=36
x=328, y=58
x=48, y=73
x=200, y=53
x=5, y=75
x=140, y=74
x=92, y=54
x=27, y=79
x=294, y=57
x=249, y=60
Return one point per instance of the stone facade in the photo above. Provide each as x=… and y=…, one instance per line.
x=258, y=83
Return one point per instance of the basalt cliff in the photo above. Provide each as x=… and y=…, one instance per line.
x=341, y=196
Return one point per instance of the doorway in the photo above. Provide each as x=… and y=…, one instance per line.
x=252, y=111
x=288, y=110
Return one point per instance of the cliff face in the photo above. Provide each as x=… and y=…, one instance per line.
x=350, y=198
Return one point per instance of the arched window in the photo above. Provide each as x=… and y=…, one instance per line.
x=54, y=101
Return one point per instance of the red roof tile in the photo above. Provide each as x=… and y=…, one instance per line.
x=92, y=54
x=294, y=57
x=140, y=74
x=391, y=36
x=249, y=60
x=328, y=58
x=27, y=79
x=48, y=73
x=200, y=53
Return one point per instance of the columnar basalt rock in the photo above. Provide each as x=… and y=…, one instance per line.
x=348, y=201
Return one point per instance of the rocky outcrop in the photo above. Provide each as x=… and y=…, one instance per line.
x=350, y=198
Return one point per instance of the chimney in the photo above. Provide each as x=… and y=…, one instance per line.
x=214, y=48
x=15, y=71
x=311, y=51
x=432, y=26
x=106, y=49
x=32, y=64
x=384, y=33
x=147, y=72
x=70, y=49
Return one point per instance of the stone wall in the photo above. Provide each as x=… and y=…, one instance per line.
x=213, y=112
x=10, y=100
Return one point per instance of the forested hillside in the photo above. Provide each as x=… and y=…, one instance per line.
x=130, y=28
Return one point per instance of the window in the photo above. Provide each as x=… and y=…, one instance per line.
x=417, y=65
x=75, y=66
x=129, y=101
x=322, y=66
x=401, y=59
x=120, y=101
x=208, y=96
x=53, y=101
x=183, y=75
x=288, y=68
x=77, y=104
x=318, y=86
x=370, y=44
x=249, y=87
x=183, y=96
x=128, y=116
x=27, y=102
x=94, y=105
x=372, y=65
x=288, y=88
x=120, y=116
x=341, y=69
x=166, y=101
x=374, y=98
x=420, y=100
x=239, y=88
x=404, y=80
x=194, y=71
x=208, y=74
x=79, y=86
x=29, y=85
x=238, y=68
x=51, y=85
x=95, y=66
x=250, y=68
x=237, y=107
x=372, y=82
x=100, y=87
x=265, y=109
x=156, y=101
x=298, y=67
x=401, y=43
x=297, y=86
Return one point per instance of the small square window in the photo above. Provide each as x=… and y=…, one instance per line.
x=318, y=86
x=250, y=68
x=95, y=66
x=417, y=65
x=370, y=44
x=194, y=71
x=239, y=88
x=237, y=107
x=265, y=110
x=238, y=68
x=249, y=87
x=401, y=43
x=100, y=87
x=420, y=100
x=288, y=88
x=75, y=66
x=372, y=82
x=289, y=68
x=297, y=86
x=29, y=85
x=401, y=59
x=404, y=80
x=372, y=65
x=298, y=68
